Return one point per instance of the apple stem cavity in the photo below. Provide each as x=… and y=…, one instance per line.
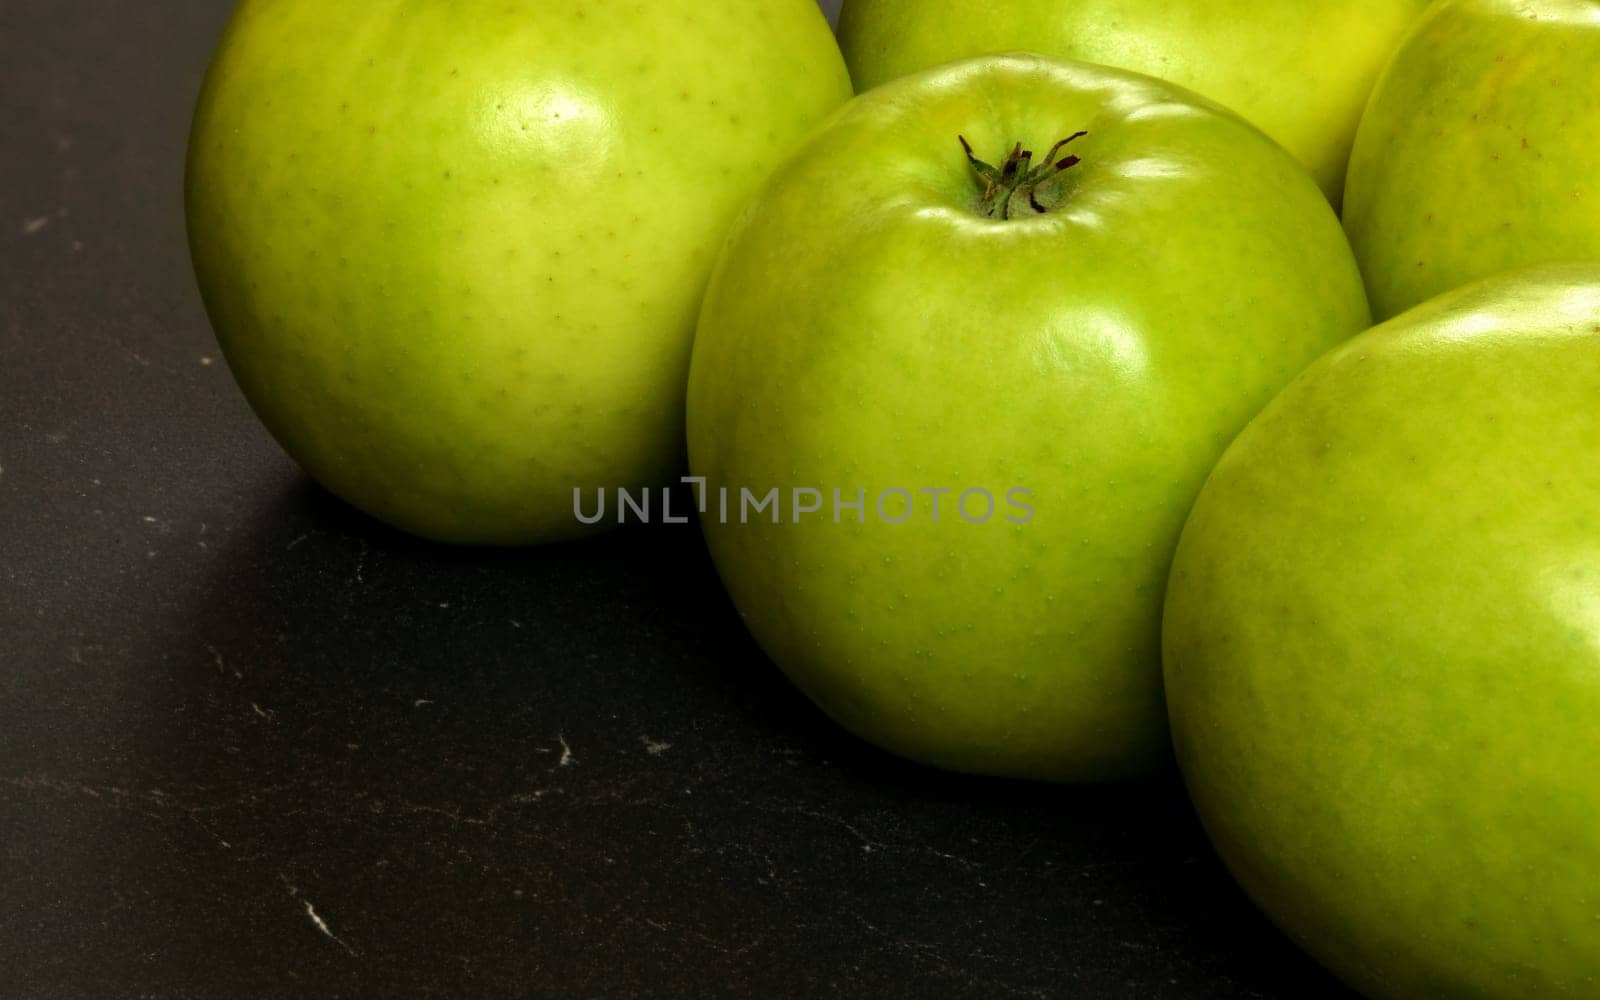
x=1017, y=179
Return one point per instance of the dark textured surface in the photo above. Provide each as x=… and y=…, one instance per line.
x=253, y=744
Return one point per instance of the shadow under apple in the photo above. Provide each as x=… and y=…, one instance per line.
x=578, y=751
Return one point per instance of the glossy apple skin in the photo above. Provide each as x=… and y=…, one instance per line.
x=1301, y=70
x=1383, y=648
x=866, y=329
x=1478, y=152
x=453, y=252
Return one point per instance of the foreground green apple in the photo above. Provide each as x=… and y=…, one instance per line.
x=1383, y=648
x=1478, y=153
x=1299, y=69
x=886, y=323
x=453, y=251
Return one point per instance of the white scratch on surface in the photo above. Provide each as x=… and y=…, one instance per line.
x=421, y=702
x=265, y=713
x=297, y=541
x=209, y=832
x=454, y=815
x=566, y=752
x=322, y=925
x=34, y=225
x=654, y=748
x=222, y=666
x=316, y=919
x=868, y=845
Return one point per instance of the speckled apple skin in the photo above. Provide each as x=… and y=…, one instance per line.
x=1479, y=150
x=1383, y=648
x=866, y=328
x=1301, y=70
x=453, y=251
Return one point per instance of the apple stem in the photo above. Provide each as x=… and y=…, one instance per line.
x=1017, y=177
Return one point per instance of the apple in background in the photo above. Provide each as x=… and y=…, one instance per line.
x=1383, y=648
x=1479, y=150
x=1301, y=70
x=1089, y=327
x=454, y=252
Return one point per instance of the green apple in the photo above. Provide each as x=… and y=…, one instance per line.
x=1383, y=648
x=1478, y=151
x=1064, y=347
x=1301, y=70
x=454, y=251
